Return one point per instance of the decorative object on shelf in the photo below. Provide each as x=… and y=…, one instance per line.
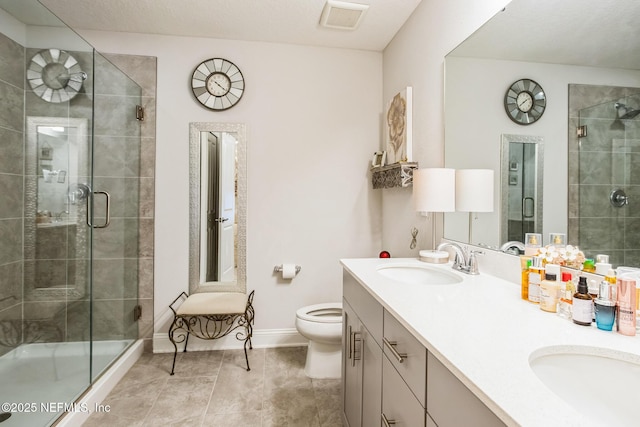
x=395, y=175
x=217, y=84
x=398, y=127
x=379, y=158
x=525, y=101
x=474, y=193
x=55, y=75
x=434, y=190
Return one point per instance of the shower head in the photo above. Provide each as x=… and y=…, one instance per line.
x=630, y=114
x=625, y=112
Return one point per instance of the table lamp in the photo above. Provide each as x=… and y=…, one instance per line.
x=474, y=193
x=434, y=191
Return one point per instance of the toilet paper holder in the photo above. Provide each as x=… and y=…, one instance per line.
x=278, y=269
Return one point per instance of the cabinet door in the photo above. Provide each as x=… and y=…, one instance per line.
x=351, y=367
x=399, y=406
x=450, y=403
x=371, y=379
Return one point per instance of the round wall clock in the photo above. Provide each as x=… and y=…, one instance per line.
x=525, y=101
x=217, y=84
x=55, y=75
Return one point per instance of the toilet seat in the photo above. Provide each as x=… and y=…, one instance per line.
x=321, y=313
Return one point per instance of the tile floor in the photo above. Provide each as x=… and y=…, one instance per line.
x=213, y=388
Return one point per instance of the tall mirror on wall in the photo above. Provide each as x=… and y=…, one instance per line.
x=217, y=209
x=521, y=187
x=595, y=44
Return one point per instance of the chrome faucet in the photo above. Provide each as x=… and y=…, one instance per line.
x=509, y=246
x=462, y=262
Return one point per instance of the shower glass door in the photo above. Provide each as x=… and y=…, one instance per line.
x=115, y=214
x=608, y=180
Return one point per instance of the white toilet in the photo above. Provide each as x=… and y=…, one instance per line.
x=321, y=324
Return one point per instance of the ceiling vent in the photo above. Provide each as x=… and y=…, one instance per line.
x=342, y=15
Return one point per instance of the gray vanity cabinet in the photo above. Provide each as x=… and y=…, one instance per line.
x=446, y=396
x=361, y=356
x=389, y=377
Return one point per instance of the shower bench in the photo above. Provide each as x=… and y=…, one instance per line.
x=212, y=315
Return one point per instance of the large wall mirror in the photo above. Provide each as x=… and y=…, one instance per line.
x=217, y=207
x=572, y=42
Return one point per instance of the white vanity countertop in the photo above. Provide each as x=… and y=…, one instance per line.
x=485, y=334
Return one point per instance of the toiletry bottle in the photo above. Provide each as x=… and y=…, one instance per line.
x=593, y=291
x=582, y=306
x=525, y=263
x=588, y=266
x=626, y=306
x=567, y=289
x=605, y=307
x=532, y=243
x=638, y=306
x=602, y=264
x=559, y=240
x=549, y=293
x=611, y=276
x=535, y=277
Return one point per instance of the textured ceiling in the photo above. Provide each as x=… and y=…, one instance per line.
x=281, y=21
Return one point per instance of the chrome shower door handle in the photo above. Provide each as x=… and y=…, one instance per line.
x=525, y=211
x=107, y=210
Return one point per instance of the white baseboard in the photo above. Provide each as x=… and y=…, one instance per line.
x=264, y=338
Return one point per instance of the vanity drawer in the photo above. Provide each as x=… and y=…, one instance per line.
x=407, y=355
x=366, y=307
x=399, y=406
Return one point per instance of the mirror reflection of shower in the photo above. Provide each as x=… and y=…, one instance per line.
x=602, y=169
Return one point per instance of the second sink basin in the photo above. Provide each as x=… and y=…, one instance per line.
x=600, y=381
x=417, y=274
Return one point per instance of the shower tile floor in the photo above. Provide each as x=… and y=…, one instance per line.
x=213, y=388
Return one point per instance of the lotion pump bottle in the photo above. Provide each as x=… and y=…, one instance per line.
x=549, y=293
x=582, y=307
x=627, y=306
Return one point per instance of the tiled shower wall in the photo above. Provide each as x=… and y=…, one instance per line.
x=606, y=159
x=12, y=60
x=126, y=173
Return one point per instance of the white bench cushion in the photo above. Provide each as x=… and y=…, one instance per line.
x=207, y=303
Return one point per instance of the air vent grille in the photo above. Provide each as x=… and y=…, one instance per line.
x=342, y=15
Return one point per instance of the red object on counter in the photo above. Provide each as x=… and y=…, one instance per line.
x=385, y=254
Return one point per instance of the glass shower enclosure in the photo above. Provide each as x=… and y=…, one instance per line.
x=69, y=203
x=603, y=214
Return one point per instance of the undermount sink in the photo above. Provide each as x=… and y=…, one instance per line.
x=601, y=381
x=417, y=274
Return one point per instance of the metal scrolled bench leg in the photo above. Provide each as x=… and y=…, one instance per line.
x=212, y=315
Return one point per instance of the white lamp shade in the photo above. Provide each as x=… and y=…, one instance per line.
x=474, y=190
x=434, y=190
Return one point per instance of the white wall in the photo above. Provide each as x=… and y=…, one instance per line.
x=475, y=121
x=312, y=117
x=415, y=58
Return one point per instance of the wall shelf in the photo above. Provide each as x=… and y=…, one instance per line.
x=395, y=175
